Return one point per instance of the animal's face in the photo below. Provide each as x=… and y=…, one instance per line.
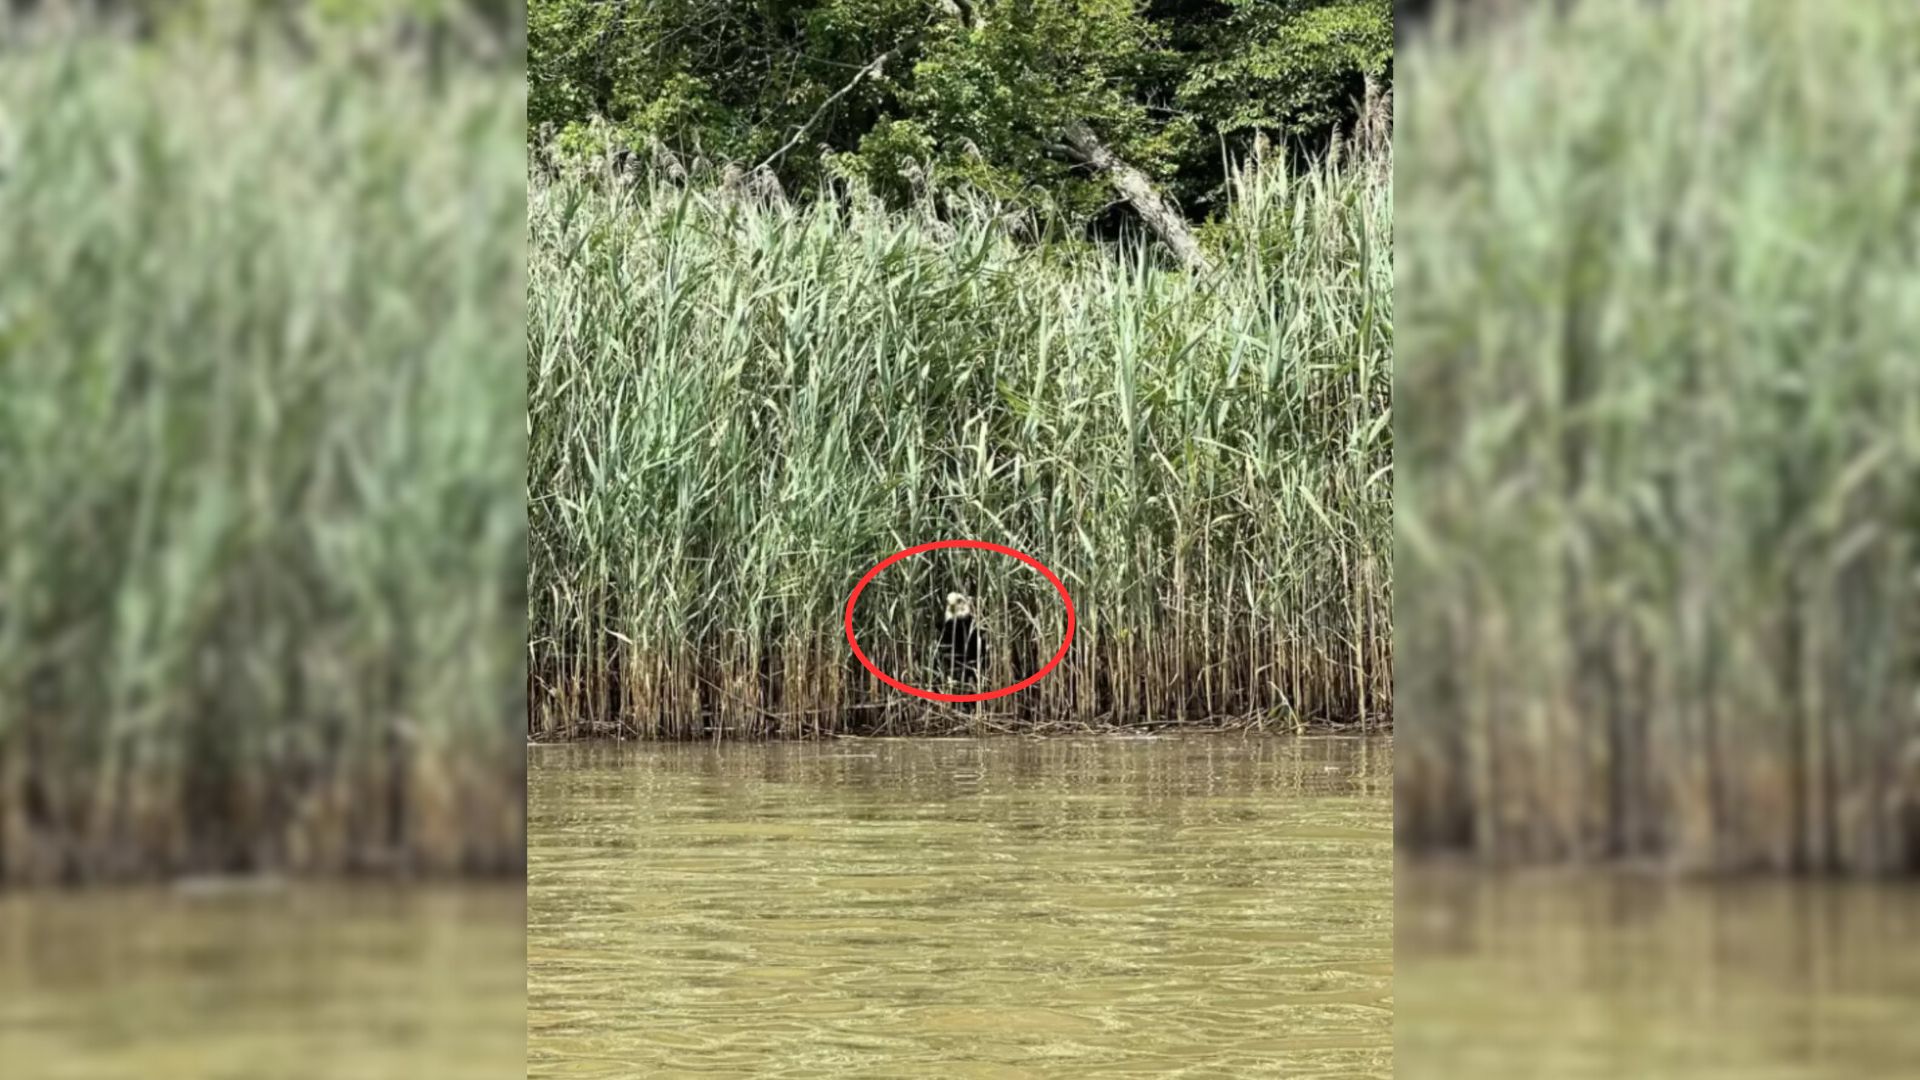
x=957, y=605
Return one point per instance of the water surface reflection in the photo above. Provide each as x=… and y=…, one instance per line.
x=1001, y=907
x=1569, y=974
x=251, y=981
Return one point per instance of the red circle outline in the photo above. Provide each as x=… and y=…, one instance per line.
x=987, y=695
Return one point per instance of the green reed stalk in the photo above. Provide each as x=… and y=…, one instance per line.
x=1661, y=529
x=261, y=549
x=737, y=406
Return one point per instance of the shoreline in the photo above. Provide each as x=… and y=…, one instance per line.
x=1061, y=732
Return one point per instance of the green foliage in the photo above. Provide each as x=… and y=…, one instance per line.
x=261, y=542
x=1288, y=66
x=972, y=94
x=1660, y=524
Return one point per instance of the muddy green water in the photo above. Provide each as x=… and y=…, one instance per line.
x=1582, y=975
x=295, y=983
x=1006, y=908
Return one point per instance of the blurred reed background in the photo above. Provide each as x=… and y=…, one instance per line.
x=720, y=452
x=1665, y=527
x=1658, y=525
x=262, y=543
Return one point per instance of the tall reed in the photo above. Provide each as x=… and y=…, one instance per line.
x=737, y=406
x=1661, y=522
x=261, y=543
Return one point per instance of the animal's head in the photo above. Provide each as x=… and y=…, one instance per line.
x=958, y=605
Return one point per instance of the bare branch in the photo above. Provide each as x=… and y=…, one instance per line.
x=1137, y=189
x=873, y=68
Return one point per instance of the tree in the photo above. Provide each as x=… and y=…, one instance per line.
x=1054, y=104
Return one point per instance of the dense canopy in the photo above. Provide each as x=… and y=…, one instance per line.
x=913, y=95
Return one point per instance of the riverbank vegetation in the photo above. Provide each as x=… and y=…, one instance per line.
x=1094, y=113
x=738, y=404
x=1660, y=534
x=261, y=538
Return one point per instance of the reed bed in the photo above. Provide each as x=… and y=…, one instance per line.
x=261, y=540
x=737, y=406
x=1661, y=531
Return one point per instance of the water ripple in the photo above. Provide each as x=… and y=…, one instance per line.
x=1182, y=907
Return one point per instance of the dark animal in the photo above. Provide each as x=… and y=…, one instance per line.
x=960, y=639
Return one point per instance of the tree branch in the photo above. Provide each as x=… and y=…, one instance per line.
x=872, y=68
x=1137, y=189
